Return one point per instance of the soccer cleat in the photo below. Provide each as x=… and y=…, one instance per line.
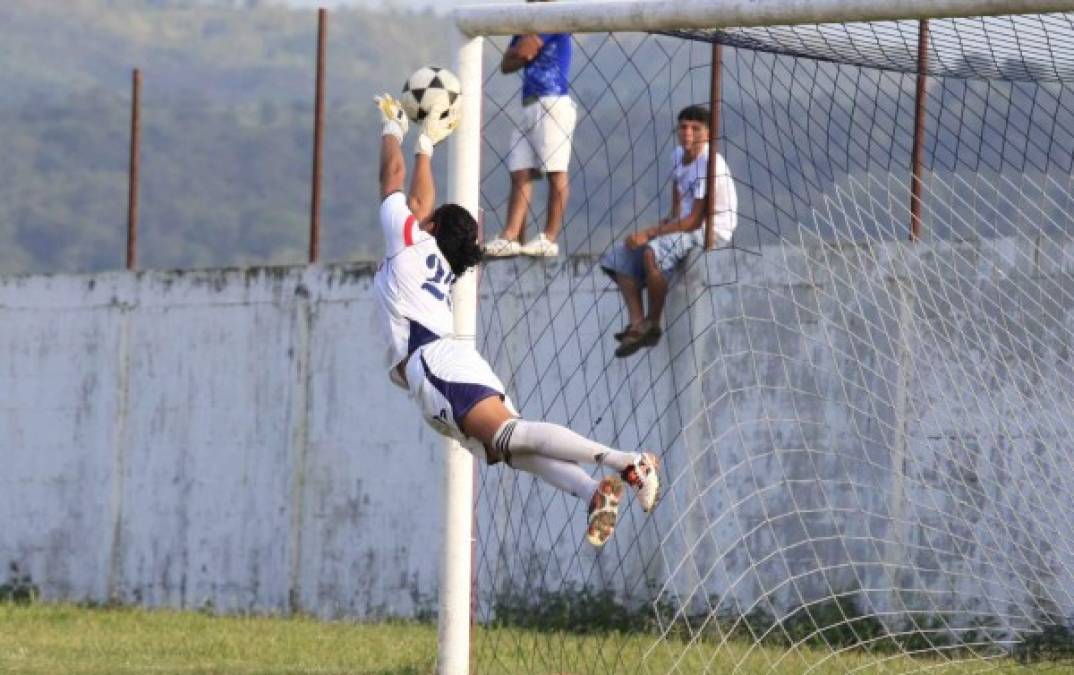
x=502, y=248
x=604, y=510
x=642, y=476
x=541, y=247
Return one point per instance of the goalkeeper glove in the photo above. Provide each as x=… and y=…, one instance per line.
x=438, y=125
x=395, y=121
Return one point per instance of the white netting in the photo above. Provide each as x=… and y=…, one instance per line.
x=866, y=441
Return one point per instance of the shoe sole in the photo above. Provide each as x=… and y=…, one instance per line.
x=602, y=525
x=499, y=252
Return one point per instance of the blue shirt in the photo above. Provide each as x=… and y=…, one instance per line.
x=549, y=73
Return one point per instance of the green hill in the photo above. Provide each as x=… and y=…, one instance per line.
x=227, y=129
x=228, y=118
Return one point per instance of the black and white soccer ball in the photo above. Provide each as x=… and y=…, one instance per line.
x=428, y=86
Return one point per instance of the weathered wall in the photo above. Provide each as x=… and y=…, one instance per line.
x=887, y=421
x=219, y=438
x=829, y=417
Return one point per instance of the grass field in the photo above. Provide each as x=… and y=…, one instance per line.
x=54, y=638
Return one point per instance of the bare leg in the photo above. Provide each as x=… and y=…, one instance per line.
x=657, y=285
x=518, y=204
x=559, y=189
x=631, y=293
x=485, y=418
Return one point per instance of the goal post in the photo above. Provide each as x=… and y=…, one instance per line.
x=656, y=16
x=800, y=387
x=456, y=560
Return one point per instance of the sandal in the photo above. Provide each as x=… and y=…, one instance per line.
x=648, y=335
x=630, y=343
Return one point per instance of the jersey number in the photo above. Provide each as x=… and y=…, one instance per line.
x=440, y=281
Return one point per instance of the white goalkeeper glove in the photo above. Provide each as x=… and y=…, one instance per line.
x=438, y=125
x=395, y=120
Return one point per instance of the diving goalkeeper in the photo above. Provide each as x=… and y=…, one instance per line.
x=426, y=249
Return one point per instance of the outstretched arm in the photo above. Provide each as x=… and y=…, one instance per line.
x=392, y=166
x=439, y=123
x=422, y=187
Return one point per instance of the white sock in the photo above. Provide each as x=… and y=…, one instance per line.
x=566, y=476
x=521, y=437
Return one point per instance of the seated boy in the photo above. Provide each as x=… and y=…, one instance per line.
x=647, y=257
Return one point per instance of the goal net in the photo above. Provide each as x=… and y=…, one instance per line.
x=866, y=437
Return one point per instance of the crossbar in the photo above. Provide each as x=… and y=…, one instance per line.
x=664, y=15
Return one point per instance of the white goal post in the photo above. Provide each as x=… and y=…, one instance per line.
x=654, y=15
x=475, y=22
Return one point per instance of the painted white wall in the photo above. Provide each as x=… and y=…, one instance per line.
x=222, y=438
x=884, y=420
x=229, y=438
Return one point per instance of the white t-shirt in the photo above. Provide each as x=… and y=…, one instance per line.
x=690, y=180
x=413, y=285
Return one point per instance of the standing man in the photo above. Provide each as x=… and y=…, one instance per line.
x=541, y=141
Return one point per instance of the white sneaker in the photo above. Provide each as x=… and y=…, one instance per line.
x=502, y=248
x=641, y=475
x=541, y=247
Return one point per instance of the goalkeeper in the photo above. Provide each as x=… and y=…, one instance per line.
x=426, y=248
x=647, y=257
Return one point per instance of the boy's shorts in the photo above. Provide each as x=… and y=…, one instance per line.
x=668, y=250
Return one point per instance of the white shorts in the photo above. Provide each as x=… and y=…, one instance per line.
x=447, y=378
x=542, y=138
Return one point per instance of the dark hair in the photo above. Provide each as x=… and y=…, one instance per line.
x=694, y=113
x=456, y=235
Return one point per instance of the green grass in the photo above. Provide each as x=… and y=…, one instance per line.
x=55, y=638
x=50, y=638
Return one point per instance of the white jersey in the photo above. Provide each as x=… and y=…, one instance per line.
x=690, y=181
x=413, y=285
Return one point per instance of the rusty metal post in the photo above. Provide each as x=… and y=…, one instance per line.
x=919, y=130
x=318, y=140
x=714, y=134
x=132, y=179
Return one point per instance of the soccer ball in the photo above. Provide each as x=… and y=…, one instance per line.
x=427, y=87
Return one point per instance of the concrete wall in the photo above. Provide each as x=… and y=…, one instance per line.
x=211, y=438
x=879, y=418
x=882, y=420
